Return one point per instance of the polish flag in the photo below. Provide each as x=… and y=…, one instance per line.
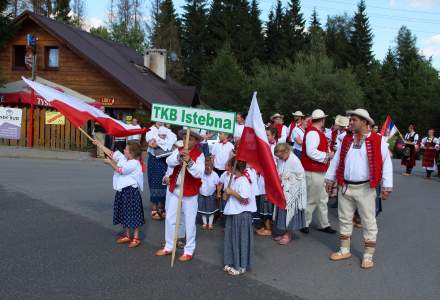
x=389, y=128
x=254, y=148
x=78, y=112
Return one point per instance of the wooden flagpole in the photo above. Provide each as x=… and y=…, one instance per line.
x=179, y=202
x=230, y=178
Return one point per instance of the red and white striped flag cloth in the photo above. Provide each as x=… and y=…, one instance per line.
x=254, y=148
x=78, y=112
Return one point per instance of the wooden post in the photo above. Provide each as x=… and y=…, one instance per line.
x=179, y=202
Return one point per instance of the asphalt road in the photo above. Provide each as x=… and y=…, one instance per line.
x=58, y=243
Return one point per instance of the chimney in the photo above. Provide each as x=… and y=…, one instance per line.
x=156, y=61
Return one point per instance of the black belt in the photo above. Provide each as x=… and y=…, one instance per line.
x=356, y=182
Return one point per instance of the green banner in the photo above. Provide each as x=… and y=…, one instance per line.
x=211, y=120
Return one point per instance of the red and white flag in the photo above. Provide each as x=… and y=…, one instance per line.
x=78, y=112
x=254, y=148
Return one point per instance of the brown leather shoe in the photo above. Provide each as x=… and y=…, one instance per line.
x=340, y=256
x=162, y=252
x=185, y=258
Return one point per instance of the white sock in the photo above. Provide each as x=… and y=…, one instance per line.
x=211, y=219
x=204, y=219
x=344, y=250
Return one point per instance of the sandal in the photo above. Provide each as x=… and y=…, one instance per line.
x=123, y=239
x=161, y=214
x=210, y=227
x=227, y=268
x=285, y=240
x=205, y=226
x=367, y=263
x=155, y=215
x=134, y=243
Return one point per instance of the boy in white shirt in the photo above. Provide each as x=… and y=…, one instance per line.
x=221, y=153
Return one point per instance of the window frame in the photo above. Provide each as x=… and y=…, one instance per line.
x=15, y=67
x=46, y=58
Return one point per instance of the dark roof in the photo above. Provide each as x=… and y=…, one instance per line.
x=123, y=64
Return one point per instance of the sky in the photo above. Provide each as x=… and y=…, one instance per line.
x=422, y=17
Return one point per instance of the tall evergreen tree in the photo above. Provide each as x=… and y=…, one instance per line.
x=316, y=36
x=193, y=39
x=168, y=36
x=276, y=44
x=257, y=31
x=361, y=39
x=62, y=11
x=337, y=35
x=293, y=28
x=407, y=55
x=216, y=34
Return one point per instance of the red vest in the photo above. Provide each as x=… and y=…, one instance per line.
x=308, y=163
x=289, y=135
x=374, y=154
x=333, y=142
x=279, y=128
x=191, y=185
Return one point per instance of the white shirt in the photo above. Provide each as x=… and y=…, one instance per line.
x=171, y=137
x=165, y=144
x=357, y=166
x=261, y=187
x=130, y=173
x=222, y=153
x=425, y=140
x=297, y=132
x=238, y=131
x=416, y=137
x=242, y=186
x=254, y=182
x=312, y=143
x=136, y=137
x=224, y=179
x=284, y=133
x=209, y=184
x=196, y=169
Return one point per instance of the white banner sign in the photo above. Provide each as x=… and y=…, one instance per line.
x=10, y=123
x=211, y=120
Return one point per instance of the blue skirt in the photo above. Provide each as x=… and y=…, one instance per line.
x=157, y=167
x=207, y=204
x=265, y=208
x=128, y=209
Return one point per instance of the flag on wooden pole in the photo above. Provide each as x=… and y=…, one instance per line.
x=79, y=112
x=254, y=148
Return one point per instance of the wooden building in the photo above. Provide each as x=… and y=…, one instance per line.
x=105, y=71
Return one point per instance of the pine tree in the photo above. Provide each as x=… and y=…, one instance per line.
x=168, y=36
x=62, y=11
x=102, y=32
x=293, y=28
x=257, y=31
x=337, y=35
x=314, y=21
x=216, y=33
x=276, y=45
x=407, y=55
x=225, y=83
x=316, y=37
x=361, y=39
x=193, y=40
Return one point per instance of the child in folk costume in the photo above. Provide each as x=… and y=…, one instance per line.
x=195, y=168
x=277, y=121
x=224, y=180
x=239, y=242
x=429, y=144
x=222, y=152
x=293, y=181
x=128, y=179
x=207, y=197
x=158, y=142
x=265, y=208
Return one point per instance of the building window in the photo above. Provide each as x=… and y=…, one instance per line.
x=19, y=54
x=52, y=58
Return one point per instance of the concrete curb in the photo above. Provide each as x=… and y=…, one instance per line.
x=24, y=153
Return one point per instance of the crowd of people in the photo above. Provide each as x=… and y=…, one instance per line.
x=349, y=164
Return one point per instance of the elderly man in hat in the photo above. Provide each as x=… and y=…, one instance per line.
x=362, y=163
x=195, y=168
x=315, y=159
x=277, y=121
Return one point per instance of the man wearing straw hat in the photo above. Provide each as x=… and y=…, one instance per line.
x=277, y=121
x=362, y=163
x=195, y=168
x=315, y=159
x=298, y=119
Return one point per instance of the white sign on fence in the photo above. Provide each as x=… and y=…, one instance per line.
x=10, y=123
x=211, y=120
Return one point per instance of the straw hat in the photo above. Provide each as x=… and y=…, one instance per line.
x=194, y=132
x=276, y=116
x=318, y=114
x=298, y=113
x=360, y=112
x=342, y=121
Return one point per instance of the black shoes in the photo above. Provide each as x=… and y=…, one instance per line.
x=328, y=229
x=305, y=230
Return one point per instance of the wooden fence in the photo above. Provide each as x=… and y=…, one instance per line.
x=51, y=137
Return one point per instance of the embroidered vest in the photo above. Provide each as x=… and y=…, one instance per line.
x=308, y=163
x=191, y=185
x=374, y=154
